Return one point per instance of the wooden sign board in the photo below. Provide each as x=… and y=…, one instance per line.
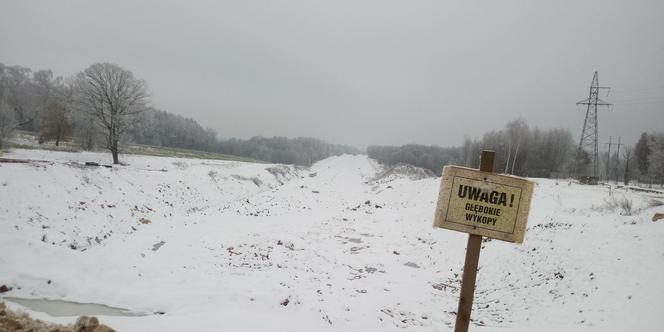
x=482, y=203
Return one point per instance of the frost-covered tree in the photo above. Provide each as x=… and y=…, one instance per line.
x=429, y=157
x=55, y=124
x=17, y=93
x=166, y=129
x=642, y=153
x=300, y=150
x=517, y=131
x=85, y=131
x=113, y=97
x=629, y=162
x=29, y=94
x=7, y=123
x=55, y=121
x=656, y=158
x=526, y=151
x=45, y=95
x=7, y=115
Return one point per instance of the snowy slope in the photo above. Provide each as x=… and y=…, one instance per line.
x=242, y=246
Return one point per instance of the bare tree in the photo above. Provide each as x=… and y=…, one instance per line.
x=55, y=124
x=113, y=96
x=628, y=157
x=656, y=158
x=7, y=115
x=516, y=130
x=86, y=133
x=7, y=122
x=16, y=81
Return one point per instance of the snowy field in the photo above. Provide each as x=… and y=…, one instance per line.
x=202, y=245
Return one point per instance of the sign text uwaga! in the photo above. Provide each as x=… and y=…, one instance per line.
x=482, y=203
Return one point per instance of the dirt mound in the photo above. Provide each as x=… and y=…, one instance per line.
x=11, y=321
x=403, y=171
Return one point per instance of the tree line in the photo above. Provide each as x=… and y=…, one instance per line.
x=429, y=157
x=520, y=150
x=534, y=152
x=106, y=106
x=300, y=151
x=647, y=156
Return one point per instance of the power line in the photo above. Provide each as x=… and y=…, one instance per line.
x=608, y=159
x=618, y=162
x=641, y=89
x=642, y=103
x=639, y=99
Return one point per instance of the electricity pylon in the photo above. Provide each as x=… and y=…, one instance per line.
x=590, y=126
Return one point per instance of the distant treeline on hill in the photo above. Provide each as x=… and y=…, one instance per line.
x=428, y=157
x=161, y=128
x=525, y=151
x=300, y=150
x=534, y=152
x=520, y=150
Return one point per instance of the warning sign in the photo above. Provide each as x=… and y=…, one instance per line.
x=482, y=203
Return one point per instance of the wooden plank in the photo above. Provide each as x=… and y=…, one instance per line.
x=468, y=283
x=472, y=261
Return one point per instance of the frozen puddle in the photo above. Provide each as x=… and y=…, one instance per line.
x=60, y=308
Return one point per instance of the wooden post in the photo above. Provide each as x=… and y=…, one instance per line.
x=472, y=260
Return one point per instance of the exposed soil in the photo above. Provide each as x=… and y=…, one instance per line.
x=11, y=321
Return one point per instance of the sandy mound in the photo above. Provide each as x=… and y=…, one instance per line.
x=11, y=321
x=403, y=171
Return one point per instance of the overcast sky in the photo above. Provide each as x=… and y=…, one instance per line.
x=362, y=72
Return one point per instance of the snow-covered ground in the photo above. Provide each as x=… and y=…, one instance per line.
x=215, y=245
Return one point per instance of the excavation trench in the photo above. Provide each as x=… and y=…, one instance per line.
x=61, y=308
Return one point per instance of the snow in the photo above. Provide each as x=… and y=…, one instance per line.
x=219, y=244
